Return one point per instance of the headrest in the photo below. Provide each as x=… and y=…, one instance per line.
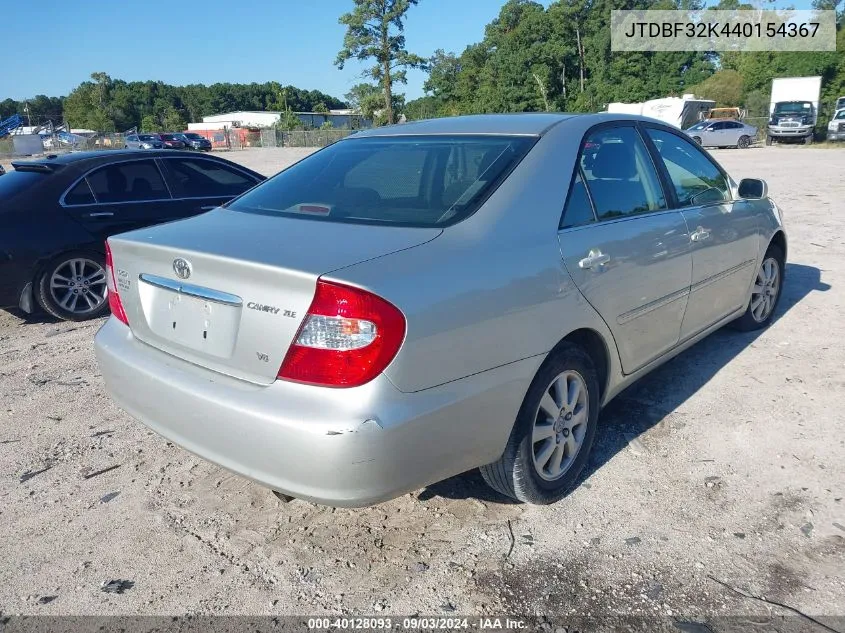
x=614, y=160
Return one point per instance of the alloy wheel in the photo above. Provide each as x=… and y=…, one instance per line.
x=79, y=286
x=560, y=425
x=766, y=289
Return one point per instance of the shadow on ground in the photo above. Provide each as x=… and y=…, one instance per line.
x=654, y=397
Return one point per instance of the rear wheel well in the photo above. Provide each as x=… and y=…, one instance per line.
x=592, y=343
x=779, y=240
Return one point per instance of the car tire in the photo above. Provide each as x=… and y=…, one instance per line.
x=56, y=289
x=530, y=469
x=744, y=142
x=697, y=139
x=768, y=140
x=769, y=280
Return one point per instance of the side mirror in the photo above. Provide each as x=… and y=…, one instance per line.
x=752, y=189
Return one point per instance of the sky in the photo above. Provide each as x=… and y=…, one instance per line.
x=208, y=41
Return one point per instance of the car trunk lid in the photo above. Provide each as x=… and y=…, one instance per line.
x=229, y=290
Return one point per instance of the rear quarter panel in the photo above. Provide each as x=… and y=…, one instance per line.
x=492, y=289
x=33, y=230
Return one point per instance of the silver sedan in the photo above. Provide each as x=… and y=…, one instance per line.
x=419, y=300
x=723, y=133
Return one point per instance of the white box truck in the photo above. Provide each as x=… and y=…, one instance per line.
x=793, y=109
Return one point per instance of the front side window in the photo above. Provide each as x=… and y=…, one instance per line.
x=128, y=182
x=200, y=178
x=619, y=174
x=423, y=181
x=695, y=178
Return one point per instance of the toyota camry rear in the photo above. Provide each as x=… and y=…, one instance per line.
x=260, y=335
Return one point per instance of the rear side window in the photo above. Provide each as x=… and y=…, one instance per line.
x=135, y=181
x=578, y=208
x=619, y=174
x=423, y=181
x=695, y=178
x=200, y=178
x=80, y=194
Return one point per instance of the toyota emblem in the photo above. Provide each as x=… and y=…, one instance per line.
x=182, y=268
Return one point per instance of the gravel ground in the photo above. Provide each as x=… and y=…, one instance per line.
x=724, y=465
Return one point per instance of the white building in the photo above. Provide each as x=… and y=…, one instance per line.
x=269, y=118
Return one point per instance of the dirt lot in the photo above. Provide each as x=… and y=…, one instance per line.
x=724, y=465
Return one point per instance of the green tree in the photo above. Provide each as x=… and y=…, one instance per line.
x=149, y=123
x=375, y=31
x=366, y=99
x=289, y=121
x=173, y=120
x=725, y=87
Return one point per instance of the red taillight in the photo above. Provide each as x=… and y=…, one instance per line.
x=348, y=337
x=114, y=298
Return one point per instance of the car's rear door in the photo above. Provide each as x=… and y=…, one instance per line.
x=120, y=196
x=624, y=248
x=200, y=183
x=723, y=232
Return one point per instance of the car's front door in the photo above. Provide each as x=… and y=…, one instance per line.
x=723, y=231
x=200, y=184
x=120, y=197
x=627, y=252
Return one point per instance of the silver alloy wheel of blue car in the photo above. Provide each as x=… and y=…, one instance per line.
x=560, y=425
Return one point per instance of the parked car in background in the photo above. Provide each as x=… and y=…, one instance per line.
x=172, y=141
x=723, y=133
x=418, y=300
x=836, y=127
x=55, y=214
x=196, y=141
x=143, y=141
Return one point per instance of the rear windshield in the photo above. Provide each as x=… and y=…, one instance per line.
x=421, y=181
x=16, y=181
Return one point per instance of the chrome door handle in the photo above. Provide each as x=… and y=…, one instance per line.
x=595, y=258
x=209, y=207
x=700, y=234
x=100, y=214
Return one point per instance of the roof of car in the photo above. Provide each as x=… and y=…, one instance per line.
x=527, y=123
x=72, y=158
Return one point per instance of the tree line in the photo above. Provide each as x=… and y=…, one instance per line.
x=113, y=105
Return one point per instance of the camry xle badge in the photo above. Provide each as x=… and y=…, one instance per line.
x=262, y=308
x=182, y=268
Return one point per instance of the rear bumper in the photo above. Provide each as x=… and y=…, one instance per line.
x=343, y=447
